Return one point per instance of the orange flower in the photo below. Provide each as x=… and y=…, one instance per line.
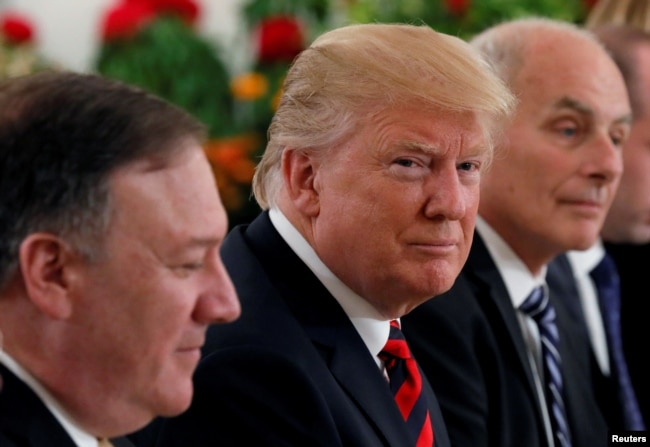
x=232, y=157
x=249, y=86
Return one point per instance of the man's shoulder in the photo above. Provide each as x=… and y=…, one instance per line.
x=24, y=418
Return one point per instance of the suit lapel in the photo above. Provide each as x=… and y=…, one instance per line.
x=499, y=307
x=24, y=418
x=366, y=386
x=338, y=342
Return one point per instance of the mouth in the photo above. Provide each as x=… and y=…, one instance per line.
x=191, y=346
x=586, y=208
x=190, y=355
x=438, y=248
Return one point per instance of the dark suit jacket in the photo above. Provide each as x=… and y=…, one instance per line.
x=292, y=370
x=26, y=422
x=470, y=345
x=631, y=261
x=561, y=280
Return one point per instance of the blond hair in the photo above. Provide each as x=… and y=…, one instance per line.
x=352, y=71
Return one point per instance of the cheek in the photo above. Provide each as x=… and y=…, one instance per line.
x=151, y=309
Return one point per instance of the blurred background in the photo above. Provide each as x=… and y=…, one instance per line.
x=222, y=60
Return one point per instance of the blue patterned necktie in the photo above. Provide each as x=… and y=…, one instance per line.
x=538, y=307
x=605, y=277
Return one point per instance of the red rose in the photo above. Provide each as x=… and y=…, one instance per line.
x=16, y=29
x=457, y=7
x=187, y=9
x=280, y=39
x=126, y=19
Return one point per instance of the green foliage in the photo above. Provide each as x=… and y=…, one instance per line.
x=311, y=10
x=477, y=15
x=169, y=59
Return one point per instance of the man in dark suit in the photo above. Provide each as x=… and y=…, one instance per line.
x=110, y=229
x=371, y=176
x=634, y=316
x=504, y=376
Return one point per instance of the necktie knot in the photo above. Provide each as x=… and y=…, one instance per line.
x=537, y=306
x=396, y=346
x=605, y=277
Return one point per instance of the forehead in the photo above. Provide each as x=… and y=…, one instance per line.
x=575, y=68
x=182, y=196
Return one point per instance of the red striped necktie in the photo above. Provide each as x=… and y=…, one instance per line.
x=406, y=386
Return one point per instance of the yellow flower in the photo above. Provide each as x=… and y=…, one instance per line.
x=249, y=86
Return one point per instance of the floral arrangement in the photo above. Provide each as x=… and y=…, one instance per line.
x=18, y=55
x=277, y=39
x=155, y=44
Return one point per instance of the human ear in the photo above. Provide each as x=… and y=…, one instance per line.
x=44, y=259
x=300, y=175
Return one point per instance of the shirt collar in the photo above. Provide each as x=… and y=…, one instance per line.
x=584, y=261
x=518, y=279
x=369, y=323
x=80, y=437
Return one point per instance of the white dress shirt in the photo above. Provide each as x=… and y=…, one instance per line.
x=520, y=282
x=582, y=263
x=369, y=323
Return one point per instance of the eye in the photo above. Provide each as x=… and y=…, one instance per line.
x=468, y=166
x=568, y=131
x=193, y=266
x=619, y=137
x=186, y=269
x=405, y=162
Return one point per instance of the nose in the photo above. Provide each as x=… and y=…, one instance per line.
x=446, y=196
x=219, y=302
x=605, y=160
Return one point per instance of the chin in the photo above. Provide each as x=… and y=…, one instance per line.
x=175, y=399
x=174, y=408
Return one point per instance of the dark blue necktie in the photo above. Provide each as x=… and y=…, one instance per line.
x=539, y=308
x=607, y=283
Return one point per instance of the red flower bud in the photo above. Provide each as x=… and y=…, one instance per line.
x=279, y=39
x=16, y=29
x=457, y=7
x=127, y=19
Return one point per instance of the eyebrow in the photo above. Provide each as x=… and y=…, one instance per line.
x=202, y=242
x=567, y=102
x=422, y=147
x=427, y=149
